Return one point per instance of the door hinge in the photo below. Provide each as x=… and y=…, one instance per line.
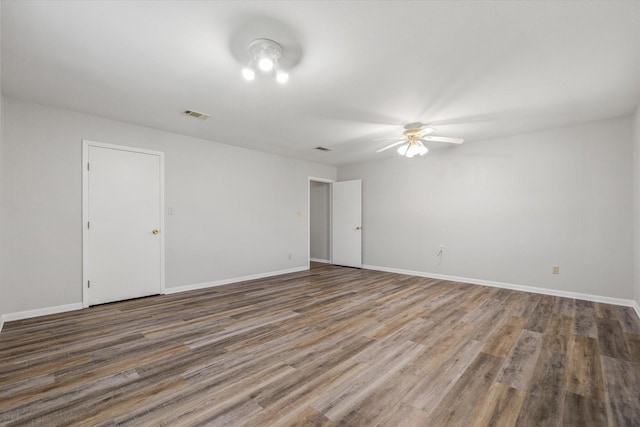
x=88, y=283
x=88, y=225
x=87, y=166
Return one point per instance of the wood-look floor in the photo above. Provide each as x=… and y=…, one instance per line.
x=331, y=346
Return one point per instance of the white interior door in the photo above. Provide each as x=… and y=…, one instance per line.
x=124, y=223
x=346, y=220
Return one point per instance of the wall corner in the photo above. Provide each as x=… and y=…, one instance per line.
x=636, y=209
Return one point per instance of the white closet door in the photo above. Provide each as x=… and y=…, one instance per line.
x=346, y=233
x=124, y=224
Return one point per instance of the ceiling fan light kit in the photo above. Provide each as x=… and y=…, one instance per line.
x=265, y=58
x=412, y=149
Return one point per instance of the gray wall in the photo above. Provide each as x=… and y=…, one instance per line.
x=636, y=204
x=507, y=210
x=237, y=212
x=320, y=220
x=3, y=292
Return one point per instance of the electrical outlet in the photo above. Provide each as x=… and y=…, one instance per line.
x=556, y=269
x=170, y=211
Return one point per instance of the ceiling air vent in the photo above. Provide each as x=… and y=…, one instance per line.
x=196, y=114
x=323, y=149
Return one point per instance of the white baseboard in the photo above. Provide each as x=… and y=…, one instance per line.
x=553, y=292
x=324, y=261
x=1, y=322
x=176, y=289
x=41, y=312
x=636, y=307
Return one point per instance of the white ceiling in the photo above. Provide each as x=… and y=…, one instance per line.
x=359, y=70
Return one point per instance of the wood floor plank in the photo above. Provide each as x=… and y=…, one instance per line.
x=482, y=312
x=49, y=407
x=371, y=410
x=622, y=388
x=396, y=322
x=437, y=328
x=541, y=316
x=526, y=306
x=584, y=320
x=128, y=399
x=628, y=319
x=611, y=339
x=430, y=389
x=558, y=334
x=515, y=299
x=210, y=393
x=583, y=411
x=348, y=396
x=543, y=403
x=488, y=324
x=467, y=392
x=309, y=417
x=633, y=345
x=475, y=297
x=500, y=408
x=584, y=372
x=307, y=372
x=328, y=346
x=500, y=342
x=285, y=409
x=404, y=415
x=564, y=307
x=439, y=349
x=605, y=311
x=521, y=361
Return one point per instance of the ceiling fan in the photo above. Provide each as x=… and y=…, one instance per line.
x=415, y=134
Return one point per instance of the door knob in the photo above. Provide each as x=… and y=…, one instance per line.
x=358, y=228
x=155, y=231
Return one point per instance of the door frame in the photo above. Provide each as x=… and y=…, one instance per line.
x=86, y=143
x=324, y=181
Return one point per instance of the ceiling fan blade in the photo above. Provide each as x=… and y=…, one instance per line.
x=392, y=145
x=386, y=139
x=426, y=131
x=444, y=139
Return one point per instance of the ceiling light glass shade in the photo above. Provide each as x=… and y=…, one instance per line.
x=266, y=64
x=421, y=150
x=248, y=73
x=282, y=76
x=413, y=149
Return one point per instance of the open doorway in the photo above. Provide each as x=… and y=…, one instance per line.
x=319, y=220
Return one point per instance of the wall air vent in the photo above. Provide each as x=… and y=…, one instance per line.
x=323, y=149
x=196, y=114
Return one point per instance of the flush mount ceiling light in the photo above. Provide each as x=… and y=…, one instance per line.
x=265, y=57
